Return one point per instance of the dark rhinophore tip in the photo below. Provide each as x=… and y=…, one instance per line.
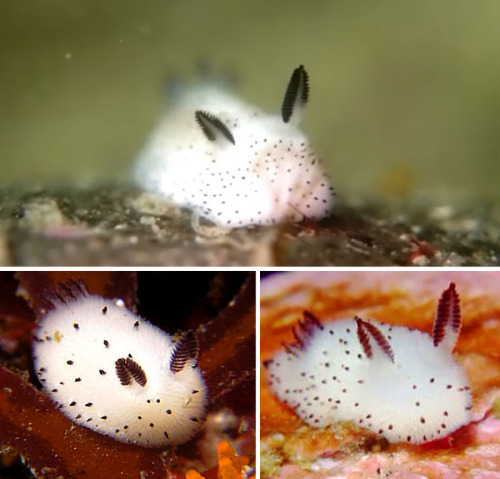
x=213, y=127
x=297, y=93
x=186, y=348
x=128, y=370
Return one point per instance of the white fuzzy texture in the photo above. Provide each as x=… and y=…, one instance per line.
x=420, y=397
x=77, y=370
x=270, y=175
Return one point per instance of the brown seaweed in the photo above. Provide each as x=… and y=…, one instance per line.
x=51, y=445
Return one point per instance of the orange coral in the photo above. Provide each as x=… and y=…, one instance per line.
x=192, y=474
x=230, y=465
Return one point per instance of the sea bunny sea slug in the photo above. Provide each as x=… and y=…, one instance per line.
x=116, y=373
x=234, y=164
x=399, y=383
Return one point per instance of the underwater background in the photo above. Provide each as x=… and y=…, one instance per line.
x=405, y=96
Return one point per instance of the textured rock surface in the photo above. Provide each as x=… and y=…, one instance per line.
x=115, y=226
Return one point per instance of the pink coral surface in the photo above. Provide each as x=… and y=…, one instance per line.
x=289, y=448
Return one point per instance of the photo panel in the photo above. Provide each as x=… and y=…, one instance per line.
x=380, y=373
x=128, y=374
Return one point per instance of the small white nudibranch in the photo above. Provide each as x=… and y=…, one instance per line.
x=234, y=164
x=117, y=374
x=400, y=383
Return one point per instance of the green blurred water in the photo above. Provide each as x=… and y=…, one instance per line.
x=405, y=95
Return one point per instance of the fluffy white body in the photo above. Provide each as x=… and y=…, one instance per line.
x=267, y=174
x=419, y=395
x=76, y=349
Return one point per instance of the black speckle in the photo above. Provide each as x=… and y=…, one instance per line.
x=165, y=433
x=54, y=390
x=104, y=418
x=89, y=419
x=75, y=325
x=117, y=431
x=194, y=391
x=139, y=417
x=104, y=310
x=106, y=343
x=422, y=420
x=78, y=416
x=102, y=372
x=72, y=403
x=194, y=419
x=432, y=380
x=77, y=380
x=136, y=324
x=88, y=404
x=408, y=438
x=148, y=401
x=168, y=411
x=69, y=362
x=158, y=401
x=125, y=427
x=151, y=424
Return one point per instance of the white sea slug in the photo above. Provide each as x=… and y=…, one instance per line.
x=113, y=372
x=400, y=383
x=234, y=164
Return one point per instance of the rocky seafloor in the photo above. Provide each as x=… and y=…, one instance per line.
x=112, y=225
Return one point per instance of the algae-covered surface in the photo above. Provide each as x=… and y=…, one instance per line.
x=118, y=226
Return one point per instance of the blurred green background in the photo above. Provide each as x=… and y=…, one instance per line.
x=405, y=95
